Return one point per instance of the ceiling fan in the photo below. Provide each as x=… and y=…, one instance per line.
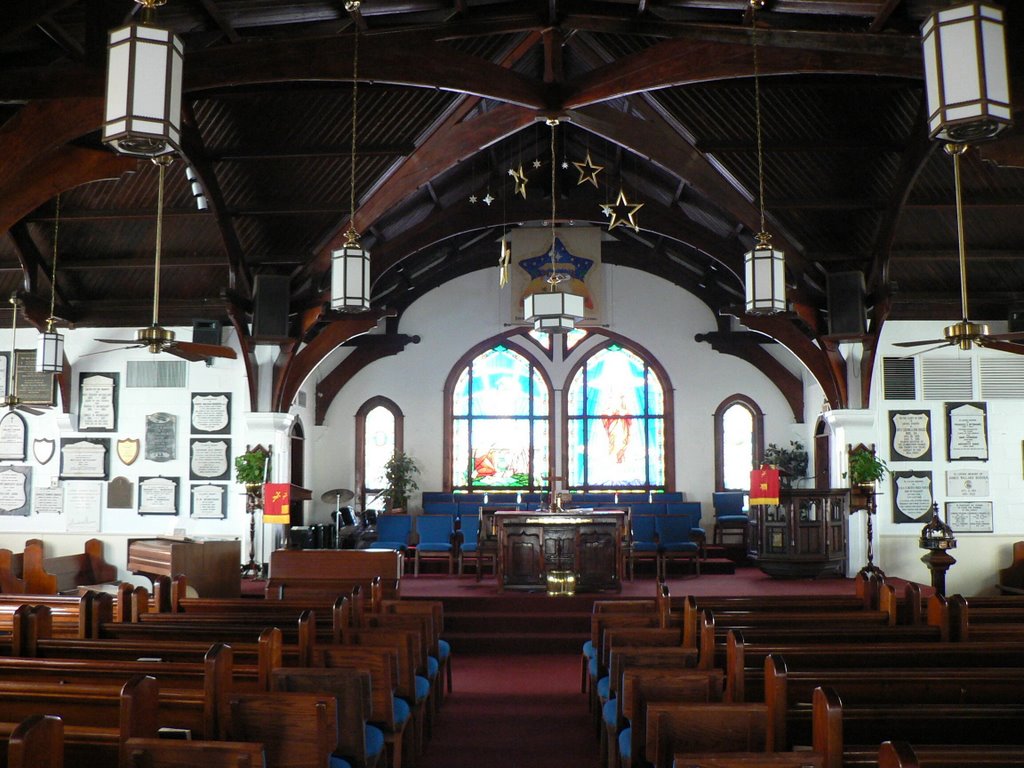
x=11, y=399
x=155, y=337
x=964, y=333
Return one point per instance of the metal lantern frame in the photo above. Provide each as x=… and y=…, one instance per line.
x=554, y=311
x=143, y=96
x=350, y=276
x=966, y=82
x=765, y=278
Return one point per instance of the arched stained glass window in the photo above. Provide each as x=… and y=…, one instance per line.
x=615, y=419
x=739, y=424
x=500, y=423
x=379, y=424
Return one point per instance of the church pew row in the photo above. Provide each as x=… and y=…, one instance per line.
x=306, y=574
x=744, y=661
x=901, y=754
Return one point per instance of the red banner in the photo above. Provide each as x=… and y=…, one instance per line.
x=764, y=486
x=277, y=503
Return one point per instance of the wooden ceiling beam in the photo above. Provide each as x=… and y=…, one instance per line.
x=239, y=153
x=19, y=18
x=218, y=18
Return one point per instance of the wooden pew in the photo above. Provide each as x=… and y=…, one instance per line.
x=801, y=759
x=302, y=574
x=52, y=575
x=174, y=753
x=900, y=754
x=978, y=619
x=37, y=742
x=789, y=692
x=297, y=730
x=673, y=728
x=12, y=569
x=1011, y=578
x=848, y=736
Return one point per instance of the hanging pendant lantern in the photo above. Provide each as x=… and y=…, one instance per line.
x=350, y=276
x=966, y=80
x=143, y=102
x=50, y=352
x=765, y=278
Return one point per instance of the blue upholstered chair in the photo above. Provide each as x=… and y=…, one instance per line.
x=730, y=516
x=440, y=508
x=643, y=540
x=675, y=542
x=393, y=532
x=435, y=539
x=469, y=546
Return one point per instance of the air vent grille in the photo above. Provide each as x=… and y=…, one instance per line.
x=945, y=378
x=899, y=380
x=1001, y=377
x=157, y=373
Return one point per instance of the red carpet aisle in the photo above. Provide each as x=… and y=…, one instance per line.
x=513, y=712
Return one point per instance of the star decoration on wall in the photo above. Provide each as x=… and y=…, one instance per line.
x=472, y=199
x=624, y=212
x=519, y=177
x=488, y=199
x=606, y=210
x=536, y=163
x=565, y=165
x=588, y=171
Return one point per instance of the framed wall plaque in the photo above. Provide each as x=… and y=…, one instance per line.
x=910, y=436
x=49, y=500
x=967, y=430
x=209, y=501
x=967, y=483
x=211, y=413
x=158, y=495
x=209, y=459
x=161, y=436
x=97, y=402
x=15, y=490
x=84, y=458
x=82, y=504
x=33, y=388
x=912, y=496
x=13, y=437
x=969, y=516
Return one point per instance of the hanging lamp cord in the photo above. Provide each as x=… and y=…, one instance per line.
x=755, y=5
x=53, y=269
x=352, y=235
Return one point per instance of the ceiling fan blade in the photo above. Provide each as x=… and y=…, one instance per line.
x=1016, y=335
x=920, y=343
x=988, y=342
x=112, y=341
x=202, y=351
x=926, y=351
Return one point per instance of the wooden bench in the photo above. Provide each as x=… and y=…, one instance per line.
x=975, y=619
x=37, y=742
x=1011, y=578
x=310, y=573
x=66, y=573
x=12, y=569
x=900, y=754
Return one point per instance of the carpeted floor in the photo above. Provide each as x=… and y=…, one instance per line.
x=514, y=712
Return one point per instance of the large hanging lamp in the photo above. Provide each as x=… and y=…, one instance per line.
x=966, y=81
x=350, y=264
x=50, y=352
x=143, y=101
x=764, y=265
x=554, y=310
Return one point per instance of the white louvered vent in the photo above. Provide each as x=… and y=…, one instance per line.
x=899, y=381
x=1002, y=377
x=157, y=373
x=946, y=378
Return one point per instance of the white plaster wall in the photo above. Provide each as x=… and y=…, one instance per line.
x=652, y=312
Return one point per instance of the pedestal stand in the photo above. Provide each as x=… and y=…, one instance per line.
x=869, y=510
x=253, y=502
x=938, y=562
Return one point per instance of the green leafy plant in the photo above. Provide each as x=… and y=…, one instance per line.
x=251, y=467
x=792, y=460
x=399, y=472
x=866, y=468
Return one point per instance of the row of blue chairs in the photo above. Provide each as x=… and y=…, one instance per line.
x=577, y=499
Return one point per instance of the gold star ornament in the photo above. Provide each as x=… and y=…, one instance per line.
x=624, y=212
x=588, y=171
x=519, y=177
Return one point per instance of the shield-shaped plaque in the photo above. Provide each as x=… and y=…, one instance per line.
x=43, y=449
x=128, y=450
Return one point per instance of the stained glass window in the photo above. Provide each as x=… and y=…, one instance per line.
x=616, y=423
x=739, y=423
x=379, y=425
x=501, y=413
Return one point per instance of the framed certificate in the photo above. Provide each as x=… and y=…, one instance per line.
x=969, y=516
x=97, y=402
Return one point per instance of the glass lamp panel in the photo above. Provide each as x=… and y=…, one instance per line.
x=501, y=451
x=50, y=353
x=737, y=446
x=379, y=445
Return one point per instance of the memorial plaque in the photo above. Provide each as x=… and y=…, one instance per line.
x=969, y=516
x=209, y=501
x=209, y=459
x=211, y=413
x=966, y=425
x=127, y=450
x=15, y=485
x=912, y=494
x=5, y=375
x=97, y=402
x=84, y=458
x=120, y=494
x=82, y=507
x=49, y=500
x=13, y=437
x=161, y=437
x=32, y=387
x=43, y=449
x=158, y=496
x=910, y=436
x=967, y=483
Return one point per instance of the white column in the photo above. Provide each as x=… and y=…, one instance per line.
x=850, y=427
x=273, y=431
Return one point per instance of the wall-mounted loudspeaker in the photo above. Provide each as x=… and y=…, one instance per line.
x=270, y=308
x=847, y=315
x=206, y=332
x=1015, y=319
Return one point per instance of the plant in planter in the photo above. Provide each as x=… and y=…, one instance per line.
x=252, y=468
x=399, y=472
x=866, y=468
x=792, y=460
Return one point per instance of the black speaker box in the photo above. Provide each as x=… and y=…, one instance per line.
x=847, y=315
x=1015, y=319
x=206, y=331
x=270, y=308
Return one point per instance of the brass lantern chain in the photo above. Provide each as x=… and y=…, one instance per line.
x=555, y=277
x=352, y=236
x=755, y=5
x=53, y=269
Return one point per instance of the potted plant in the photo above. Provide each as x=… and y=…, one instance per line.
x=866, y=468
x=398, y=473
x=792, y=461
x=251, y=469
